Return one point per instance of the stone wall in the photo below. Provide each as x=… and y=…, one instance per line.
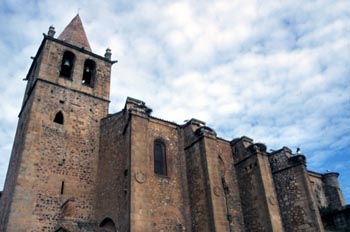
x=233, y=200
x=169, y=193
x=337, y=220
x=217, y=180
x=157, y=201
x=198, y=183
x=90, y=171
x=16, y=156
x=317, y=185
x=113, y=182
x=247, y=174
x=327, y=190
x=51, y=161
x=258, y=198
x=332, y=190
x=295, y=197
x=50, y=64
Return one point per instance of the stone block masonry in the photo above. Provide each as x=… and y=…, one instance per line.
x=76, y=168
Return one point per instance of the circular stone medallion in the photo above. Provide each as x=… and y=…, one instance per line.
x=140, y=177
x=217, y=191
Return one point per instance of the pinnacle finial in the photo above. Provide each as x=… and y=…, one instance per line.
x=108, y=54
x=51, y=31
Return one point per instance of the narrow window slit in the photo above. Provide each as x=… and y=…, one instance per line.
x=160, y=165
x=62, y=187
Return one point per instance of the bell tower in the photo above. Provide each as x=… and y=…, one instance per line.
x=55, y=152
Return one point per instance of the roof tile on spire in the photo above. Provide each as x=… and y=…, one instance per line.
x=74, y=34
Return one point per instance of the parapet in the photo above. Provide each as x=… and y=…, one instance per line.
x=137, y=106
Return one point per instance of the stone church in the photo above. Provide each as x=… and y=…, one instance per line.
x=76, y=167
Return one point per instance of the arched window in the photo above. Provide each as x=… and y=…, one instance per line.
x=89, y=73
x=160, y=166
x=67, y=64
x=59, y=118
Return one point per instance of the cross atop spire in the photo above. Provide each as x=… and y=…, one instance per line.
x=74, y=34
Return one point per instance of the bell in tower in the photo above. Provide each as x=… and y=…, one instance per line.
x=55, y=153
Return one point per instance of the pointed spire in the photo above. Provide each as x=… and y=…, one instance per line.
x=74, y=34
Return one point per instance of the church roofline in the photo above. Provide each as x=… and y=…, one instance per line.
x=35, y=58
x=315, y=173
x=163, y=120
x=322, y=174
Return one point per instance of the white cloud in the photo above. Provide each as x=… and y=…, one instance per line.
x=277, y=71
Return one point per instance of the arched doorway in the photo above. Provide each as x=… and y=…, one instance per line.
x=108, y=225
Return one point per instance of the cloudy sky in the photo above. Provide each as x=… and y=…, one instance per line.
x=275, y=71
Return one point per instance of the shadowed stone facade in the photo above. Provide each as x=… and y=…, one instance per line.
x=75, y=167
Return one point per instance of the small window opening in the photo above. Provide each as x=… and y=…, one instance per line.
x=159, y=158
x=67, y=64
x=62, y=187
x=88, y=73
x=125, y=190
x=108, y=225
x=59, y=118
